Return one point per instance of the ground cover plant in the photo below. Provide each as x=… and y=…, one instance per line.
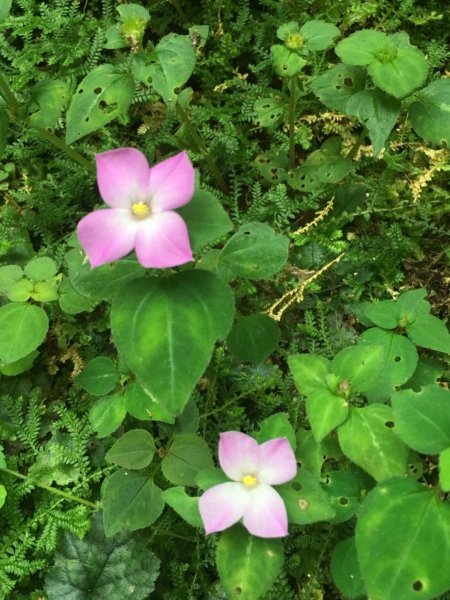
x=223, y=293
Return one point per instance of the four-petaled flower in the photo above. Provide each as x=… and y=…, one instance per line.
x=141, y=215
x=254, y=469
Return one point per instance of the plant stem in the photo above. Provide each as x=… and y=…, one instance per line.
x=359, y=140
x=292, y=107
x=203, y=149
x=71, y=153
x=9, y=96
x=53, y=490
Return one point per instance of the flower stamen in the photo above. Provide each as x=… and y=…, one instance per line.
x=249, y=481
x=140, y=210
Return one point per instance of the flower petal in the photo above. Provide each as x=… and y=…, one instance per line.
x=172, y=182
x=107, y=235
x=163, y=241
x=238, y=455
x=265, y=515
x=223, y=505
x=122, y=177
x=278, y=462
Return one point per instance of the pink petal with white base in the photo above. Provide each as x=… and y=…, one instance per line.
x=172, y=182
x=107, y=235
x=238, y=455
x=123, y=177
x=162, y=240
x=278, y=462
x=223, y=505
x=265, y=515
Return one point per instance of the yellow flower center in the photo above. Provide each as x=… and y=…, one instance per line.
x=249, y=481
x=140, y=210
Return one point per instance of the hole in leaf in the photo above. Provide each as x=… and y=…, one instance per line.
x=348, y=81
x=295, y=485
x=328, y=175
x=417, y=586
x=324, y=457
x=300, y=464
x=98, y=90
x=266, y=105
x=397, y=358
x=247, y=232
x=102, y=105
x=80, y=91
x=327, y=480
x=87, y=119
x=343, y=501
x=389, y=424
x=238, y=590
x=285, y=68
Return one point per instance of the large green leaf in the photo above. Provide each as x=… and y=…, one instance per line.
x=310, y=372
x=429, y=332
x=98, y=567
x=104, y=94
x=363, y=47
x=385, y=313
x=247, y=565
x=166, y=329
x=130, y=501
x=255, y=251
x=346, y=571
x=285, y=62
x=253, y=338
x=326, y=410
x=336, y=86
x=430, y=115
x=402, y=75
x=187, y=456
x=403, y=542
x=368, y=439
x=423, y=418
x=358, y=366
x=23, y=328
x=377, y=112
x=319, y=35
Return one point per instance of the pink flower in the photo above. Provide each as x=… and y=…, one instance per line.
x=141, y=215
x=254, y=469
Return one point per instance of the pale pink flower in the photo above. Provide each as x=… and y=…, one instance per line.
x=141, y=215
x=249, y=496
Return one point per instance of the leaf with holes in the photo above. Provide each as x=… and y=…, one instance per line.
x=423, y=418
x=285, y=62
x=23, y=328
x=166, y=329
x=130, y=501
x=397, y=365
x=104, y=94
x=377, y=112
x=403, y=541
x=253, y=338
x=306, y=502
x=312, y=454
x=430, y=114
x=247, y=565
x=269, y=111
x=344, y=493
x=255, y=251
x=186, y=457
x=368, y=439
x=48, y=99
x=346, y=572
x=336, y=86
x=272, y=165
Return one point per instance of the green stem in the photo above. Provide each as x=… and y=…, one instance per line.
x=9, y=96
x=203, y=149
x=73, y=154
x=356, y=146
x=292, y=108
x=53, y=490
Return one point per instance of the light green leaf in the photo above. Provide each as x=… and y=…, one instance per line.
x=3, y=495
x=276, y=426
x=326, y=410
x=412, y=304
x=255, y=251
x=309, y=372
x=429, y=332
x=319, y=35
x=40, y=269
x=253, y=338
x=306, y=502
x=346, y=571
x=186, y=506
x=358, y=366
x=368, y=439
x=402, y=75
x=20, y=291
x=141, y=405
x=130, y=501
x=134, y=450
x=186, y=457
x=48, y=99
x=247, y=565
x=19, y=366
x=285, y=62
x=23, y=328
x=166, y=328
x=430, y=114
x=5, y=7
x=444, y=470
x=385, y=313
x=9, y=274
x=104, y=94
x=107, y=414
x=99, y=376
x=363, y=47
x=423, y=418
x=209, y=477
x=403, y=542
x=336, y=86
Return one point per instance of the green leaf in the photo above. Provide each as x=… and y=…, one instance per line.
x=385, y=314
x=103, y=282
x=186, y=506
x=104, y=94
x=253, y=338
x=423, y=418
x=46, y=291
x=141, y=405
x=9, y=274
x=19, y=366
x=401, y=76
x=130, y=501
x=362, y=47
x=368, y=439
x=186, y=457
x=247, y=565
x=3, y=495
x=255, y=251
x=403, y=542
x=71, y=302
x=444, y=470
x=336, y=86
x=358, y=366
x=276, y=426
x=377, y=112
x=40, y=269
x=430, y=114
x=269, y=111
x=134, y=450
x=20, y=291
x=166, y=328
x=429, y=332
x=306, y=502
x=188, y=421
x=412, y=304
x=319, y=35
x=398, y=364
x=344, y=494
x=326, y=410
x=285, y=62
x=205, y=218
x=208, y=477
x=311, y=454
x=2, y=458
x=23, y=328
x=5, y=7
x=98, y=567
x=272, y=165
x=107, y=414
x=4, y=126
x=309, y=372
x=428, y=372
x=99, y=376
x=133, y=21
x=48, y=99
x=346, y=571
